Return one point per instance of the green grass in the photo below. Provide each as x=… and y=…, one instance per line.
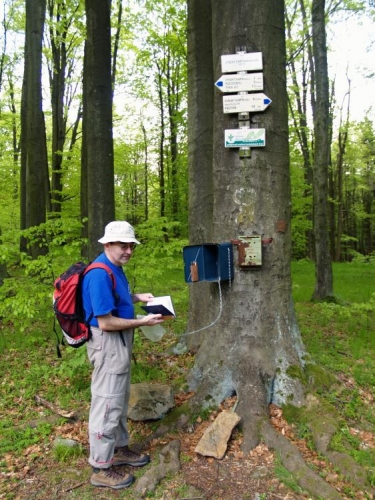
x=340, y=338
x=15, y=440
x=66, y=453
x=352, y=282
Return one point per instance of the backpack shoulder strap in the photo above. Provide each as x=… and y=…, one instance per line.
x=101, y=265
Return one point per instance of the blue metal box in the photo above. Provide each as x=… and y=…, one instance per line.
x=208, y=262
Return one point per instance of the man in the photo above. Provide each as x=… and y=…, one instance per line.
x=109, y=351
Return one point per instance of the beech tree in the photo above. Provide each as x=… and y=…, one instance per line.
x=34, y=168
x=255, y=343
x=97, y=149
x=243, y=331
x=322, y=131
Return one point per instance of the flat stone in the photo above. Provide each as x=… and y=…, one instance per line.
x=149, y=401
x=69, y=443
x=214, y=441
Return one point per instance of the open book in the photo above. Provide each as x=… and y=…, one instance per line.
x=160, y=305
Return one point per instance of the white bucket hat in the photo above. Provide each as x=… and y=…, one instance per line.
x=119, y=230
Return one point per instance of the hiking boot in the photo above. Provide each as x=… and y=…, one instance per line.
x=124, y=456
x=110, y=478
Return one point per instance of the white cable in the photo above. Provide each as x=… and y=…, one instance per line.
x=215, y=321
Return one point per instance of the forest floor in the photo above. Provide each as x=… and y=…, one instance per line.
x=31, y=469
x=36, y=474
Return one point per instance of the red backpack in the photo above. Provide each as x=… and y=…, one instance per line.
x=67, y=303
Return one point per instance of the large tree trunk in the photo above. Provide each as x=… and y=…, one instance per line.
x=35, y=177
x=323, y=266
x=249, y=350
x=200, y=153
x=98, y=127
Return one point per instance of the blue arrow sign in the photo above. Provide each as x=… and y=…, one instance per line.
x=240, y=82
x=245, y=103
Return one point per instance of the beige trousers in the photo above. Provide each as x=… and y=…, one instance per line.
x=110, y=389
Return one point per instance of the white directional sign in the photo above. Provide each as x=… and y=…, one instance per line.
x=240, y=82
x=245, y=102
x=247, y=61
x=242, y=137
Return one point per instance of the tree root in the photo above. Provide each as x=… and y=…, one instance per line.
x=323, y=426
x=294, y=462
x=169, y=463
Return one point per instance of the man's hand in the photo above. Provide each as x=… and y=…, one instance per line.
x=151, y=320
x=142, y=297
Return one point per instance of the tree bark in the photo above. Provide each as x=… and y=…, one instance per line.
x=254, y=343
x=98, y=127
x=84, y=171
x=342, y=143
x=161, y=161
x=200, y=154
x=34, y=178
x=57, y=84
x=323, y=266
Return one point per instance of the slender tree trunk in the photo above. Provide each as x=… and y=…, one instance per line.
x=3, y=56
x=57, y=84
x=145, y=169
x=23, y=142
x=117, y=42
x=84, y=170
x=339, y=199
x=342, y=143
x=162, y=183
x=323, y=266
x=368, y=203
x=15, y=136
x=174, y=162
x=299, y=117
x=173, y=108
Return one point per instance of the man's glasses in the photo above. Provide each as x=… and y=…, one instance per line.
x=125, y=246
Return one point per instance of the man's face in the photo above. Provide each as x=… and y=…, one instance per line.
x=119, y=253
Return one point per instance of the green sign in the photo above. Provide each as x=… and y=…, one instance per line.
x=245, y=137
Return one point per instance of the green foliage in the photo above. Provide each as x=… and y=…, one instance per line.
x=151, y=78
x=301, y=207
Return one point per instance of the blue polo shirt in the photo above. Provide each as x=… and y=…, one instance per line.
x=98, y=295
